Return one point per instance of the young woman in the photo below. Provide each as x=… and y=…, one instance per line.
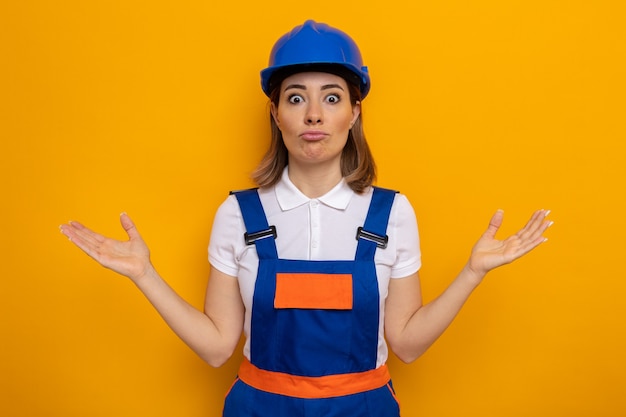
x=317, y=267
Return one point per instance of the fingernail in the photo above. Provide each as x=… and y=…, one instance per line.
x=546, y=214
x=550, y=224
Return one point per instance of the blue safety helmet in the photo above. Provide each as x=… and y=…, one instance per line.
x=315, y=47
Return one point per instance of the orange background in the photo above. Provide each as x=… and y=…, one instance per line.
x=154, y=108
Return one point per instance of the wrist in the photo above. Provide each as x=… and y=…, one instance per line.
x=472, y=276
x=144, y=276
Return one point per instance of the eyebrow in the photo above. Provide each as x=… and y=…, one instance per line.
x=303, y=87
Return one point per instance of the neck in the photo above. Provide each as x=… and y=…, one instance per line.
x=315, y=180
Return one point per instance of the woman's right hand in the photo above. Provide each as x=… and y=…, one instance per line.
x=130, y=258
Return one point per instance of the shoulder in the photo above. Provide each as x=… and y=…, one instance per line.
x=401, y=204
x=229, y=207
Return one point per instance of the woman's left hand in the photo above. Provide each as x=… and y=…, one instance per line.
x=489, y=253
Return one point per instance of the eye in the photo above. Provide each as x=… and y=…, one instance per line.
x=333, y=98
x=295, y=99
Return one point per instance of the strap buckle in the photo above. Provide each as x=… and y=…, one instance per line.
x=250, y=238
x=381, y=241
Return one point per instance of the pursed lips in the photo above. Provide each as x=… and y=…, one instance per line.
x=313, y=135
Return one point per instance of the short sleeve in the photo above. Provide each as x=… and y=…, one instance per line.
x=406, y=236
x=227, y=237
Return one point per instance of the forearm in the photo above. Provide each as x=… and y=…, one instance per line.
x=194, y=327
x=412, y=328
x=429, y=322
x=213, y=335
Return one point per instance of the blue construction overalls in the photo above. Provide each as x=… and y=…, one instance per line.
x=314, y=328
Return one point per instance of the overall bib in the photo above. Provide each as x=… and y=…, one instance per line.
x=314, y=328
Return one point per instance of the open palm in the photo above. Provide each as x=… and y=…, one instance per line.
x=489, y=253
x=130, y=258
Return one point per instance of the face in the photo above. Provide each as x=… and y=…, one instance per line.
x=314, y=115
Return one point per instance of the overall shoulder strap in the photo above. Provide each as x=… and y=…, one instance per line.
x=258, y=232
x=373, y=234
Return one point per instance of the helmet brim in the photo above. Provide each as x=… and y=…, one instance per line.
x=272, y=77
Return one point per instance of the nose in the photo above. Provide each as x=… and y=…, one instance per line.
x=314, y=114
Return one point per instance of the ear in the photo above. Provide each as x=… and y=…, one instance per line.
x=274, y=112
x=356, y=111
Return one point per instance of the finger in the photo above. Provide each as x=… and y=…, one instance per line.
x=75, y=231
x=530, y=245
x=535, y=239
x=494, y=224
x=535, y=226
x=86, y=233
x=89, y=237
x=82, y=240
x=541, y=229
x=532, y=224
x=129, y=226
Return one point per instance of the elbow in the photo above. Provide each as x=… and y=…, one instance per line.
x=407, y=357
x=407, y=354
x=217, y=352
x=217, y=359
x=217, y=362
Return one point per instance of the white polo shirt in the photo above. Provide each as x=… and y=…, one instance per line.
x=321, y=228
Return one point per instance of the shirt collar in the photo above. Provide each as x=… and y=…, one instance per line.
x=289, y=197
